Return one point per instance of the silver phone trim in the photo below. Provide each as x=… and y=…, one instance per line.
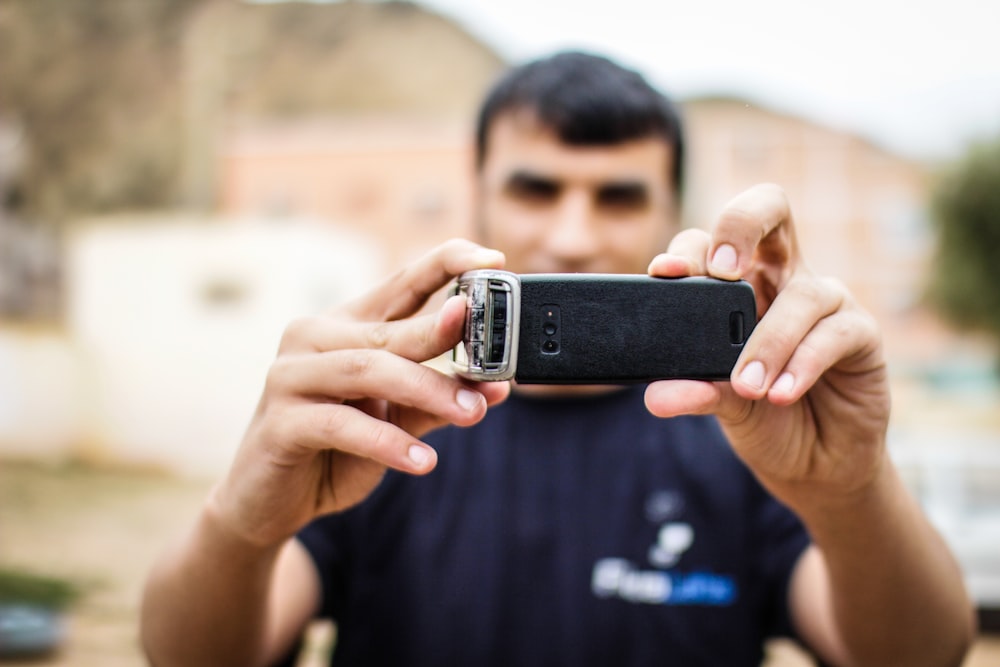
x=469, y=356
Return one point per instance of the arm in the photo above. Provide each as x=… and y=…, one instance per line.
x=807, y=409
x=346, y=398
x=215, y=599
x=885, y=592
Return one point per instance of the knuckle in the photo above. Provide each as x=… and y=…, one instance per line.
x=427, y=379
x=843, y=327
x=408, y=292
x=778, y=344
x=330, y=422
x=425, y=338
x=754, y=210
x=740, y=226
x=809, y=359
x=825, y=295
x=412, y=386
x=279, y=376
x=735, y=216
x=837, y=288
x=456, y=245
x=380, y=441
x=379, y=336
x=275, y=430
x=808, y=289
x=689, y=238
x=281, y=431
x=866, y=326
x=357, y=363
x=297, y=333
x=774, y=192
x=333, y=421
x=324, y=428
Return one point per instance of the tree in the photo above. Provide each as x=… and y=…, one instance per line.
x=965, y=283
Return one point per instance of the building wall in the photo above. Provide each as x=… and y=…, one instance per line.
x=171, y=328
x=860, y=211
x=41, y=394
x=403, y=182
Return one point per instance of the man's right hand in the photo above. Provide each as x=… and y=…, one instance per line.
x=348, y=397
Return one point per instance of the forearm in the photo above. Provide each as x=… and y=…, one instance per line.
x=892, y=590
x=206, y=601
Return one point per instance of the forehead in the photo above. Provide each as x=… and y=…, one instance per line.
x=518, y=142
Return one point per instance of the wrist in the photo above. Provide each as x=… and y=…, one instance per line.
x=838, y=514
x=222, y=525
x=834, y=481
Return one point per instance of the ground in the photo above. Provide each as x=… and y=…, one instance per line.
x=103, y=529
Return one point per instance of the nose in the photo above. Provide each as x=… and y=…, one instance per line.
x=572, y=239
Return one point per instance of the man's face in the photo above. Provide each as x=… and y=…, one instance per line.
x=557, y=208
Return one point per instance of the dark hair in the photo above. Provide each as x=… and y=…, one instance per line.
x=587, y=100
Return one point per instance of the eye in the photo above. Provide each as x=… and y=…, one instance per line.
x=623, y=196
x=531, y=188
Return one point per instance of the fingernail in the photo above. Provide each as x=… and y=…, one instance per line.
x=724, y=258
x=468, y=400
x=784, y=384
x=418, y=455
x=753, y=374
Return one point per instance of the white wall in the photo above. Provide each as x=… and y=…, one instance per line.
x=171, y=327
x=40, y=393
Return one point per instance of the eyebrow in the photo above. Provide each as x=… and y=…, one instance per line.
x=529, y=181
x=528, y=177
x=622, y=191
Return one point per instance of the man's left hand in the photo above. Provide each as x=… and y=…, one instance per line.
x=807, y=405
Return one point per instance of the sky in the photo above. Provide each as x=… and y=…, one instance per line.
x=921, y=78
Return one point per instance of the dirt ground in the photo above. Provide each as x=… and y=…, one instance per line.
x=102, y=529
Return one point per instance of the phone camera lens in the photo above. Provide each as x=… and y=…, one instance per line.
x=549, y=328
x=550, y=346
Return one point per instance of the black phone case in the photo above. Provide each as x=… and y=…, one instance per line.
x=619, y=329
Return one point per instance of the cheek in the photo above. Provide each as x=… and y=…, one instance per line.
x=511, y=227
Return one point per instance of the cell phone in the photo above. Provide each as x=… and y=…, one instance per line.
x=600, y=328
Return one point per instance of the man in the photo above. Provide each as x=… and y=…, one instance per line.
x=587, y=525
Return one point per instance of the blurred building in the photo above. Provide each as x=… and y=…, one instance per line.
x=860, y=210
x=172, y=325
x=401, y=180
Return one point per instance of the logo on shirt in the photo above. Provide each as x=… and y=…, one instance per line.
x=672, y=541
x=622, y=579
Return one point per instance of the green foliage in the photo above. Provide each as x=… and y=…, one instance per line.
x=22, y=587
x=965, y=284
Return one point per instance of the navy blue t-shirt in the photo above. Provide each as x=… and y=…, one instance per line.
x=564, y=531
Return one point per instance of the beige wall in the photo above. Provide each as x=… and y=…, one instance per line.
x=861, y=211
x=403, y=182
x=171, y=328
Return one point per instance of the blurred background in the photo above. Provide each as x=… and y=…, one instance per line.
x=179, y=178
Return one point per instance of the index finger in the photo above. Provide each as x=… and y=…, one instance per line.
x=406, y=291
x=756, y=227
x=414, y=338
